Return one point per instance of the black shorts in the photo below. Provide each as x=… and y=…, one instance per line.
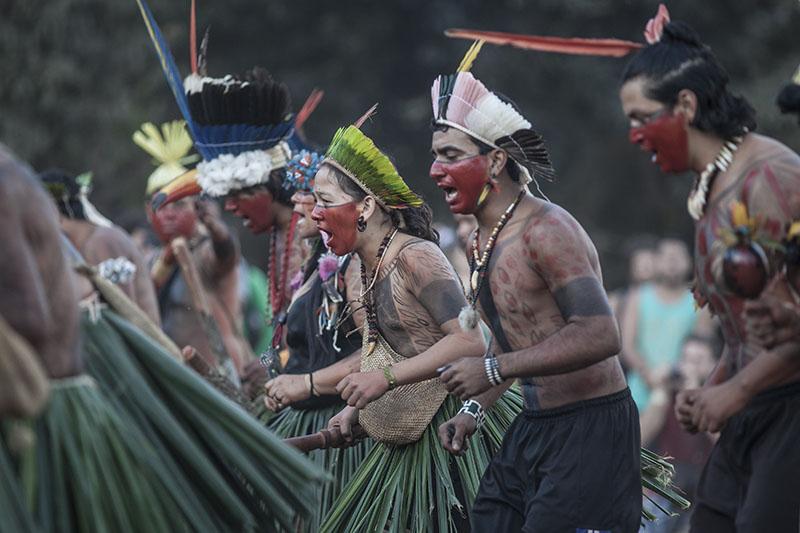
x=570, y=469
x=751, y=482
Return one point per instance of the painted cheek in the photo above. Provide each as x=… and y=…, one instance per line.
x=668, y=138
x=258, y=210
x=341, y=223
x=469, y=177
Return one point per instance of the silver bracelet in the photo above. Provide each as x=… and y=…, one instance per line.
x=492, y=369
x=473, y=409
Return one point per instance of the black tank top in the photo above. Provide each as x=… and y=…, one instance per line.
x=310, y=349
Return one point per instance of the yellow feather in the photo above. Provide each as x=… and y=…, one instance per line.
x=469, y=57
x=739, y=214
x=796, y=78
x=794, y=230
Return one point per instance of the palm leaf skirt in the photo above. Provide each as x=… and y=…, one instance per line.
x=240, y=475
x=401, y=488
x=14, y=514
x=420, y=486
x=340, y=463
x=90, y=472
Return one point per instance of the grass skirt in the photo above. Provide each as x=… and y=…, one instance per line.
x=420, y=486
x=90, y=472
x=14, y=514
x=340, y=463
x=240, y=476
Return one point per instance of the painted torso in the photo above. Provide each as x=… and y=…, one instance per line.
x=520, y=307
x=765, y=177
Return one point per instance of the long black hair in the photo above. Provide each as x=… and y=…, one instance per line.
x=681, y=61
x=416, y=221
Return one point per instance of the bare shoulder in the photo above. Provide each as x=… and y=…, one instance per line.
x=111, y=242
x=557, y=246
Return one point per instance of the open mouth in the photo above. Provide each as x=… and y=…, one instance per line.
x=450, y=194
x=326, y=237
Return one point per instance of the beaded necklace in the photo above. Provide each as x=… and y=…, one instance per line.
x=479, y=264
x=367, y=294
x=696, y=202
x=277, y=283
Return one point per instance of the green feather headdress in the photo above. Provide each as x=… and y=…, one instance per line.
x=356, y=155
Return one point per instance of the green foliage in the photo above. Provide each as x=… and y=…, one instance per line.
x=79, y=76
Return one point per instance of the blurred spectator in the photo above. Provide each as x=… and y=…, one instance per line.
x=661, y=431
x=253, y=288
x=641, y=253
x=657, y=317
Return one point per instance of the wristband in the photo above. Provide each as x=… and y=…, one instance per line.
x=473, y=409
x=387, y=373
x=311, y=384
x=492, y=369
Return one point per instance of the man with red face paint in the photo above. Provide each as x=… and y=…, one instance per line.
x=213, y=248
x=536, y=281
x=746, y=192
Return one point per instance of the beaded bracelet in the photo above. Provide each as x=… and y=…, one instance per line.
x=387, y=373
x=473, y=409
x=492, y=369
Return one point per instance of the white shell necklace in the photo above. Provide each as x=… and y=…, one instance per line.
x=699, y=195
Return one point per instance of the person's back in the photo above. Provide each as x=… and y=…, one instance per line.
x=38, y=295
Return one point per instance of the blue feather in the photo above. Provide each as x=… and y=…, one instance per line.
x=168, y=66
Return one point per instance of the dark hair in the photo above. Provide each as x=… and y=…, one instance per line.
x=65, y=191
x=789, y=99
x=416, y=221
x=681, y=61
x=275, y=185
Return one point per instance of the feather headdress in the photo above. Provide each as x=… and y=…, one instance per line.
x=356, y=155
x=169, y=147
x=239, y=124
x=461, y=101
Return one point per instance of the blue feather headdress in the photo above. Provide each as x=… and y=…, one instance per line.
x=240, y=124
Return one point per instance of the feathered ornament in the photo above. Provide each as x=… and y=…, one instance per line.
x=745, y=265
x=468, y=318
x=563, y=45
x=356, y=155
x=570, y=45
x=789, y=98
x=91, y=213
x=233, y=120
x=308, y=108
x=462, y=102
x=169, y=147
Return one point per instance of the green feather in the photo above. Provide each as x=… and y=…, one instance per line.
x=358, y=154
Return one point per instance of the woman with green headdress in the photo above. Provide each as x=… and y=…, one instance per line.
x=320, y=339
x=411, y=297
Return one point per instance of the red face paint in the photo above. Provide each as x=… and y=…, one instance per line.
x=337, y=225
x=254, y=208
x=462, y=182
x=666, y=137
x=174, y=220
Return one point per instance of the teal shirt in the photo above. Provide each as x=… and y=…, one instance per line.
x=661, y=329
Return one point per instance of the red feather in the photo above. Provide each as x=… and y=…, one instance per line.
x=562, y=45
x=309, y=106
x=371, y=111
x=193, y=39
x=655, y=26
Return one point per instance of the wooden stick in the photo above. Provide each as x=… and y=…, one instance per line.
x=327, y=438
x=199, y=299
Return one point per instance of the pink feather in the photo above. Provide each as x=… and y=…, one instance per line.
x=467, y=93
x=655, y=26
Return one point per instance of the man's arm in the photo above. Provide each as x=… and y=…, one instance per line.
x=563, y=256
x=222, y=256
